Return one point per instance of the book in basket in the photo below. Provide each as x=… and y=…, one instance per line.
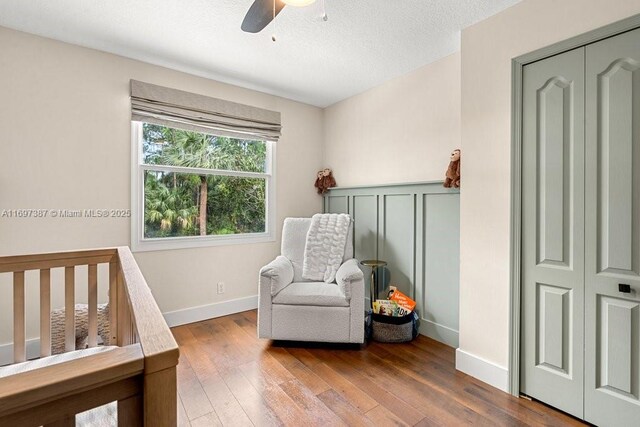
x=389, y=308
x=402, y=300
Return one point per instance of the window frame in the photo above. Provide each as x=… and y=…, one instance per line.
x=139, y=243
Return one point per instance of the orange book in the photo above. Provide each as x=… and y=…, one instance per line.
x=402, y=300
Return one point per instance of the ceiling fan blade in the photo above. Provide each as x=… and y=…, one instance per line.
x=260, y=14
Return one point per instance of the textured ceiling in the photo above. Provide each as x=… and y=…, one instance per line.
x=364, y=42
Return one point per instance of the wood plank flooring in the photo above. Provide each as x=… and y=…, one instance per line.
x=229, y=377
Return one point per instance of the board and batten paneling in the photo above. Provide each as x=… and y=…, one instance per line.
x=416, y=229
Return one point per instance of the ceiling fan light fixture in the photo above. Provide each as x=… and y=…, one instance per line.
x=298, y=3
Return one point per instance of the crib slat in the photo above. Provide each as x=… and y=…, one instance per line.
x=132, y=329
x=131, y=411
x=70, y=310
x=123, y=314
x=113, y=303
x=45, y=312
x=65, y=422
x=19, y=348
x=93, y=305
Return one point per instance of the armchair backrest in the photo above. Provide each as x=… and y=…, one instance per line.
x=294, y=239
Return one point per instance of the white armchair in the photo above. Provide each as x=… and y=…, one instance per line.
x=291, y=308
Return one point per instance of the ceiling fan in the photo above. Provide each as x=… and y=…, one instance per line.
x=262, y=12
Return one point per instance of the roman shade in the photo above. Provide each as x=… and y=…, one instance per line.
x=176, y=108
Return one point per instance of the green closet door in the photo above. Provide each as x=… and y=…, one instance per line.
x=612, y=357
x=553, y=231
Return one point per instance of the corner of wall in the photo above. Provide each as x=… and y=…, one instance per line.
x=323, y=137
x=484, y=370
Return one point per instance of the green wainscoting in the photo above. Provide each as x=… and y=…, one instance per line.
x=415, y=228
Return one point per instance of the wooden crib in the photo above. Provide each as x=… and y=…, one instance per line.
x=140, y=374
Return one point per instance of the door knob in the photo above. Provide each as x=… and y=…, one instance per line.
x=625, y=289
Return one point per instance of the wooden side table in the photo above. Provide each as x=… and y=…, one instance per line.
x=373, y=286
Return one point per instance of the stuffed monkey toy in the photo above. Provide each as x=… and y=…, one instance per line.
x=328, y=181
x=452, y=176
x=319, y=182
x=324, y=180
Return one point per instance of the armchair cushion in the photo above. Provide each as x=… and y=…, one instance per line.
x=279, y=272
x=311, y=293
x=347, y=273
x=294, y=237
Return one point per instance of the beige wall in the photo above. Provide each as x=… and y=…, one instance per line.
x=65, y=143
x=401, y=131
x=487, y=49
x=64, y=120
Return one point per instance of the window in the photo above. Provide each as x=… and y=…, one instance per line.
x=197, y=189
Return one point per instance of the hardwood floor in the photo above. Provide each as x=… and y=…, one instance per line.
x=227, y=376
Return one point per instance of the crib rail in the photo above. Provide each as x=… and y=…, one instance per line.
x=52, y=396
x=141, y=375
x=44, y=263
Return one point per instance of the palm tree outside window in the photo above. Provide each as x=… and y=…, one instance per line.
x=194, y=188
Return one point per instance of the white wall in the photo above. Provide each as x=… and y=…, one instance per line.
x=487, y=50
x=401, y=131
x=65, y=144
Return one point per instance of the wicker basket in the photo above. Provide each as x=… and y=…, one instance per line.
x=394, y=329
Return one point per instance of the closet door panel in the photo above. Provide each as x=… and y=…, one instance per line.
x=617, y=164
x=553, y=225
x=612, y=206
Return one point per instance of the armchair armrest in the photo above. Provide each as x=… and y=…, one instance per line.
x=348, y=273
x=274, y=277
x=278, y=274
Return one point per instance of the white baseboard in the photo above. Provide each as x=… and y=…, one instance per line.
x=6, y=351
x=482, y=369
x=439, y=332
x=173, y=318
x=210, y=311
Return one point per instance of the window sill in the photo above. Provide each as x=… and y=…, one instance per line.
x=171, y=243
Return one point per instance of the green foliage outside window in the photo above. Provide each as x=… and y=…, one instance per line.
x=192, y=204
